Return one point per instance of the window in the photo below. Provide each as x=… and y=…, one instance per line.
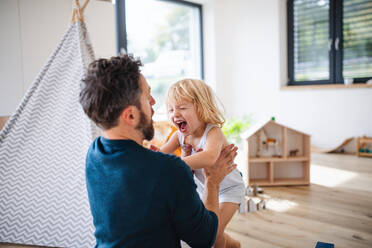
x=329, y=41
x=167, y=36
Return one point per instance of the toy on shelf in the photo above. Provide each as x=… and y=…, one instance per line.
x=267, y=147
x=364, y=146
x=293, y=153
x=364, y=149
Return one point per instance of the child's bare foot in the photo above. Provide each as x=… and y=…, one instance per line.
x=231, y=243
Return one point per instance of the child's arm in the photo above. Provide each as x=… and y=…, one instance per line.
x=171, y=145
x=214, y=144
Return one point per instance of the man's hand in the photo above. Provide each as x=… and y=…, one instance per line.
x=223, y=166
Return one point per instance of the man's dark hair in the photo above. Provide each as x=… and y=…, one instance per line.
x=110, y=86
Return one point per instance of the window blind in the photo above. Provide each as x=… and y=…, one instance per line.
x=311, y=40
x=357, y=38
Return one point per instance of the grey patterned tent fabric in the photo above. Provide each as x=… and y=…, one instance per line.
x=43, y=198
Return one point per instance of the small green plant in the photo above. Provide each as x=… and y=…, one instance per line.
x=234, y=127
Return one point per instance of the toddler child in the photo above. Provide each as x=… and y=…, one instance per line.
x=193, y=110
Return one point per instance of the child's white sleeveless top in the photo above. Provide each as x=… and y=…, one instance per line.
x=231, y=188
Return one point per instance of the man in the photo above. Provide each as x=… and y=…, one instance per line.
x=139, y=197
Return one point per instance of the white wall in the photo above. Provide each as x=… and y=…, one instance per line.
x=11, y=76
x=251, y=61
x=209, y=48
x=31, y=29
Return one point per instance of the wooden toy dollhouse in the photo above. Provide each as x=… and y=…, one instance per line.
x=276, y=155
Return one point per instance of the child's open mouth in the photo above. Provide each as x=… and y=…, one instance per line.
x=182, y=126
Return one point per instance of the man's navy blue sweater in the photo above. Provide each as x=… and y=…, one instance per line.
x=142, y=198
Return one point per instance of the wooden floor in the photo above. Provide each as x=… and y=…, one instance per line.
x=336, y=208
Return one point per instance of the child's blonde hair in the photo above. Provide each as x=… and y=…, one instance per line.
x=200, y=94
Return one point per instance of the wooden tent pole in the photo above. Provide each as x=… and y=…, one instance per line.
x=84, y=5
x=73, y=18
x=77, y=12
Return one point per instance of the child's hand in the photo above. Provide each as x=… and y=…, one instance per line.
x=186, y=150
x=154, y=148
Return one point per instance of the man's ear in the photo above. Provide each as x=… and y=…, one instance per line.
x=129, y=115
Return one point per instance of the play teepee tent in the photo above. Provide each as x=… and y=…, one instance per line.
x=43, y=199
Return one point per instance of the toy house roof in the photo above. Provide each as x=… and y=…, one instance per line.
x=258, y=125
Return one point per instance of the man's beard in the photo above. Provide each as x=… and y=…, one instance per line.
x=145, y=127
